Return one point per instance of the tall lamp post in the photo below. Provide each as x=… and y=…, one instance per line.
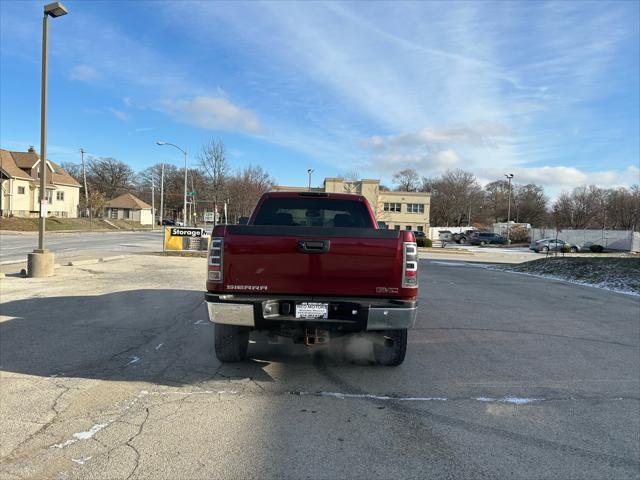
x=309, y=172
x=40, y=262
x=184, y=206
x=509, y=177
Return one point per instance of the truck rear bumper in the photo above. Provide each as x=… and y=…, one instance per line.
x=248, y=312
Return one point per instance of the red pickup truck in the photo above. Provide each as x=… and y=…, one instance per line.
x=312, y=266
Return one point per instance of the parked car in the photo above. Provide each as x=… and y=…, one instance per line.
x=545, y=245
x=486, y=238
x=168, y=222
x=312, y=266
x=462, y=237
x=419, y=234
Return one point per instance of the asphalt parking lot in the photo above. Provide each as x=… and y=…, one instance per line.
x=107, y=371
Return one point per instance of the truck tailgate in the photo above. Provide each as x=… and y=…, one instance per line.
x=313, y=261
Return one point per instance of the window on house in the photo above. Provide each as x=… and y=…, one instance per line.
x=126, y=213
x=420, y=228
x=20, y=190
x=408, y=228
x=415, y=207
x=59, y=195
x=392, y=207
x=396, y=227
x=113, y=213
x=49, y=196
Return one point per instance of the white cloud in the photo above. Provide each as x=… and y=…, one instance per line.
x=563, y=177
x=84, y=73
x=482, y=134
x=215, y=113
x=120, y=115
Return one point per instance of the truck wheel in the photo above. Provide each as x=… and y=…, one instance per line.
x=231, y=342
x=390, y=347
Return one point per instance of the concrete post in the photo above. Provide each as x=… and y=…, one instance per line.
x=40, y=263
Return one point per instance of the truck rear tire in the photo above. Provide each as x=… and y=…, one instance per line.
x=231, y=342
x=390, y=347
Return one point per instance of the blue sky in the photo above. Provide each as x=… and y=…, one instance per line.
x=546, y=90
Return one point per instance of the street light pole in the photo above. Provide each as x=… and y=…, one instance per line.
x=184, y=205
x=310, y=171
x=40, y=262
x=509, y=177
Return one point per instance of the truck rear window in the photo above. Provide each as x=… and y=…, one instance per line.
x=313, y=212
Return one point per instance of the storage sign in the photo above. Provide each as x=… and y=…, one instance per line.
x=186, y=232
x=186, y=239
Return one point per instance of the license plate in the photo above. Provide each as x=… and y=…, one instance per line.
x=311, y=310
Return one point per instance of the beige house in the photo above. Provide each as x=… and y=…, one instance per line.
x=129, y=207
x=396, y=210
x=20, y=186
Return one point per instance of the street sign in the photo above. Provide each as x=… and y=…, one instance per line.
x=191, y=194
x=43, y=208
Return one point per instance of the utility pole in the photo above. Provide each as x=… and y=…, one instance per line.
x=86, y=192
x=153, y=203
x=509, y=177
x=161, y=195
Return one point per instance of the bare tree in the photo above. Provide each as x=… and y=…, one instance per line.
x=109, y=176
x=455, y=196
x=245, y=189
x=530, y=204
x=214, y=163
x=406, y=180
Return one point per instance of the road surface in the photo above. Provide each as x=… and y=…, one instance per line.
x=109, y=372
x=14, y=247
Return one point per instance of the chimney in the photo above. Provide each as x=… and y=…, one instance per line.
x=31, y=149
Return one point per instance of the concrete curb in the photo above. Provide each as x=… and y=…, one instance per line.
x=91, y=261
x=96, y=230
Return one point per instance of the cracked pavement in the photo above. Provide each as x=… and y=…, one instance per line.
x=109, y=372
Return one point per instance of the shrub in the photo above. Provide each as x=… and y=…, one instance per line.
x=518, y=234
x=424, y=242
x=596, y=248
x=565, y=249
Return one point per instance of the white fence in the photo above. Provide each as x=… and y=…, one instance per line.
x=623, y=240
x=434, y=232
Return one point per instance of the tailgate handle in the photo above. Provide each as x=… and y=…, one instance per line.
x=314, y=246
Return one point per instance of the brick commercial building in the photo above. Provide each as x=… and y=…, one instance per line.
x=20, y=186
x=395, y=210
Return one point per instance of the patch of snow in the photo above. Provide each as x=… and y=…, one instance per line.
x=201, y=392
x=601, y=285
x=78, y=436
x=81, y=461
x=449, y=264
x=133, y=360
x=513, y=400
x=159, y=346
x=91, y=432
x=342, y=396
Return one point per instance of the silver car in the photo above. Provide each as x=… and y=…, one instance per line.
x=545, y=245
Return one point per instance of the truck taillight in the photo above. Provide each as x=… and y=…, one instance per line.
x=410, y=265
x=216, y=253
